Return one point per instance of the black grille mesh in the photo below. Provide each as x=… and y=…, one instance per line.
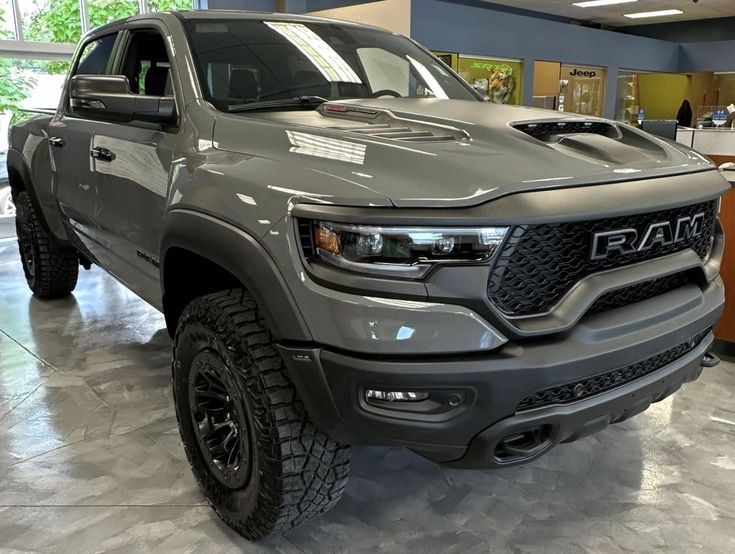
x=539, y=264
x=642, y=291
x=307, y=242
x=580, y=390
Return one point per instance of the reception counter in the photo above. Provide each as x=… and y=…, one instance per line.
x=712, y=142
x=719, y=145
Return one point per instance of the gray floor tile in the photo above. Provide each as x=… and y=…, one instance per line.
x=90, y=459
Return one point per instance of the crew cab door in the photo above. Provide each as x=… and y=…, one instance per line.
x=120, y=216
x=69, y=140
x=131, y=163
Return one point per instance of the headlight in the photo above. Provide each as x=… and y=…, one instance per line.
x=402, y=252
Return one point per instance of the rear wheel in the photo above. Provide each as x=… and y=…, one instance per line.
x=263, y=466
x=51, y=270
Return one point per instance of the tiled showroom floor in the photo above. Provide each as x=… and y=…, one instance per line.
x=90, y=458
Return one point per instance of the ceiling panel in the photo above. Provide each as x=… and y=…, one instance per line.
x=613, y=15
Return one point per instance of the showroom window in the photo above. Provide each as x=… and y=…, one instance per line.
x=42, y=34
x=645, y=95
x=569, y=88
x=581, y=90
x=498, y=80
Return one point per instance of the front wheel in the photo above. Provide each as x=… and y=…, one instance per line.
x=263, y=466
x=51, y=270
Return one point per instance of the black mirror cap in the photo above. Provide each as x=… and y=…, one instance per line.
x=108, y=97
x=92, y=85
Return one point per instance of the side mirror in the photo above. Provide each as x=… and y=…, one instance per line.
x=108, y=97
x=728, y=172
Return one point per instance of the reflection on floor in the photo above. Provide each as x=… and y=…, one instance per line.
x=90, y=458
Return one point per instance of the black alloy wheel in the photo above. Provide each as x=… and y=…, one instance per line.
x=219, y=420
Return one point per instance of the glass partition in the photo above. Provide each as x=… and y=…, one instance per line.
x=581, y=89
x=33, y=84
x=647, y=95
x=105, y=11
x=627, y=101
x=62, y=21
x=26, y=85
x=167, y=5
x=50, y=20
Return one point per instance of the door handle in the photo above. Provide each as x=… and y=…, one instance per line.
x=102, y=154
x=56, y=142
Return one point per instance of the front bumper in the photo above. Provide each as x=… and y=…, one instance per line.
x=491, y=386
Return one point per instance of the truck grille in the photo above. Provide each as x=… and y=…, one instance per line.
x=540, y=263
x=641, y=291
x=572, y=392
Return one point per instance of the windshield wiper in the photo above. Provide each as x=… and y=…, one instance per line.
x=301, y=101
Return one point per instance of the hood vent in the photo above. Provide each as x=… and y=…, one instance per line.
x=553, y=131
x=386, y=125
x=408, y=134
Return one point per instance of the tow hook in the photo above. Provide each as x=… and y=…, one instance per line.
x=710, y=360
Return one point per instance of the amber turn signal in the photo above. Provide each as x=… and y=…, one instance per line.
x=326, y=240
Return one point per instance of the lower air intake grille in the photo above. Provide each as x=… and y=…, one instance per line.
x=307, y=243
x=637, y=293
x=572, y=392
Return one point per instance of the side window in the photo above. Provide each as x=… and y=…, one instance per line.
x=95, y=56
x=147, y=66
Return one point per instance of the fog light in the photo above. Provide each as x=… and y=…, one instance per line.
x=395, y=396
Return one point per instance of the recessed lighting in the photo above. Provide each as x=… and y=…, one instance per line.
x=659, y=13
x=595, y=3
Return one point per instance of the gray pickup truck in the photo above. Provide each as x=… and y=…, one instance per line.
x=351, y=247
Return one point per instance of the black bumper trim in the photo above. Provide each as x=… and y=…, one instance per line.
x=579, y=390
x=571, y=422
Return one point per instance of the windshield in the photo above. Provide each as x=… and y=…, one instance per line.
x=243, y=61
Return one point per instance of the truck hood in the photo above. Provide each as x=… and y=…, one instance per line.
x=439, y=153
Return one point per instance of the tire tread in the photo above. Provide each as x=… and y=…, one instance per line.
x=56, y=267
x=303, y=472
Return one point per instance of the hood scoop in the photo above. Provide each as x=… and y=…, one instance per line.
x=386, y=125
x=599, y=142
x=553, y=131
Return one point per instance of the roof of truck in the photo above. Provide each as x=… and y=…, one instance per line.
x=256, y=16
x=219, y=14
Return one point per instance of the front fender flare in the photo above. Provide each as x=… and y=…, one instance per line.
x=244, y=257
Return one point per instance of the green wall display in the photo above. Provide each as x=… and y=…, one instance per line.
x=501, y=81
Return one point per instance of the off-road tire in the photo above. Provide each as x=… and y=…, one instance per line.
x=295, y=471
x=51, y=270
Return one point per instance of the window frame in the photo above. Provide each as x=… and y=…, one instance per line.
x=115, y=66
x=66, y=93
x=121, y=51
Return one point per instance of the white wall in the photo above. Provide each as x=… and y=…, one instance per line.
x=394, y=15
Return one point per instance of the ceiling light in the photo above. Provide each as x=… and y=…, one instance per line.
x=659, y=13
x=596, y=3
